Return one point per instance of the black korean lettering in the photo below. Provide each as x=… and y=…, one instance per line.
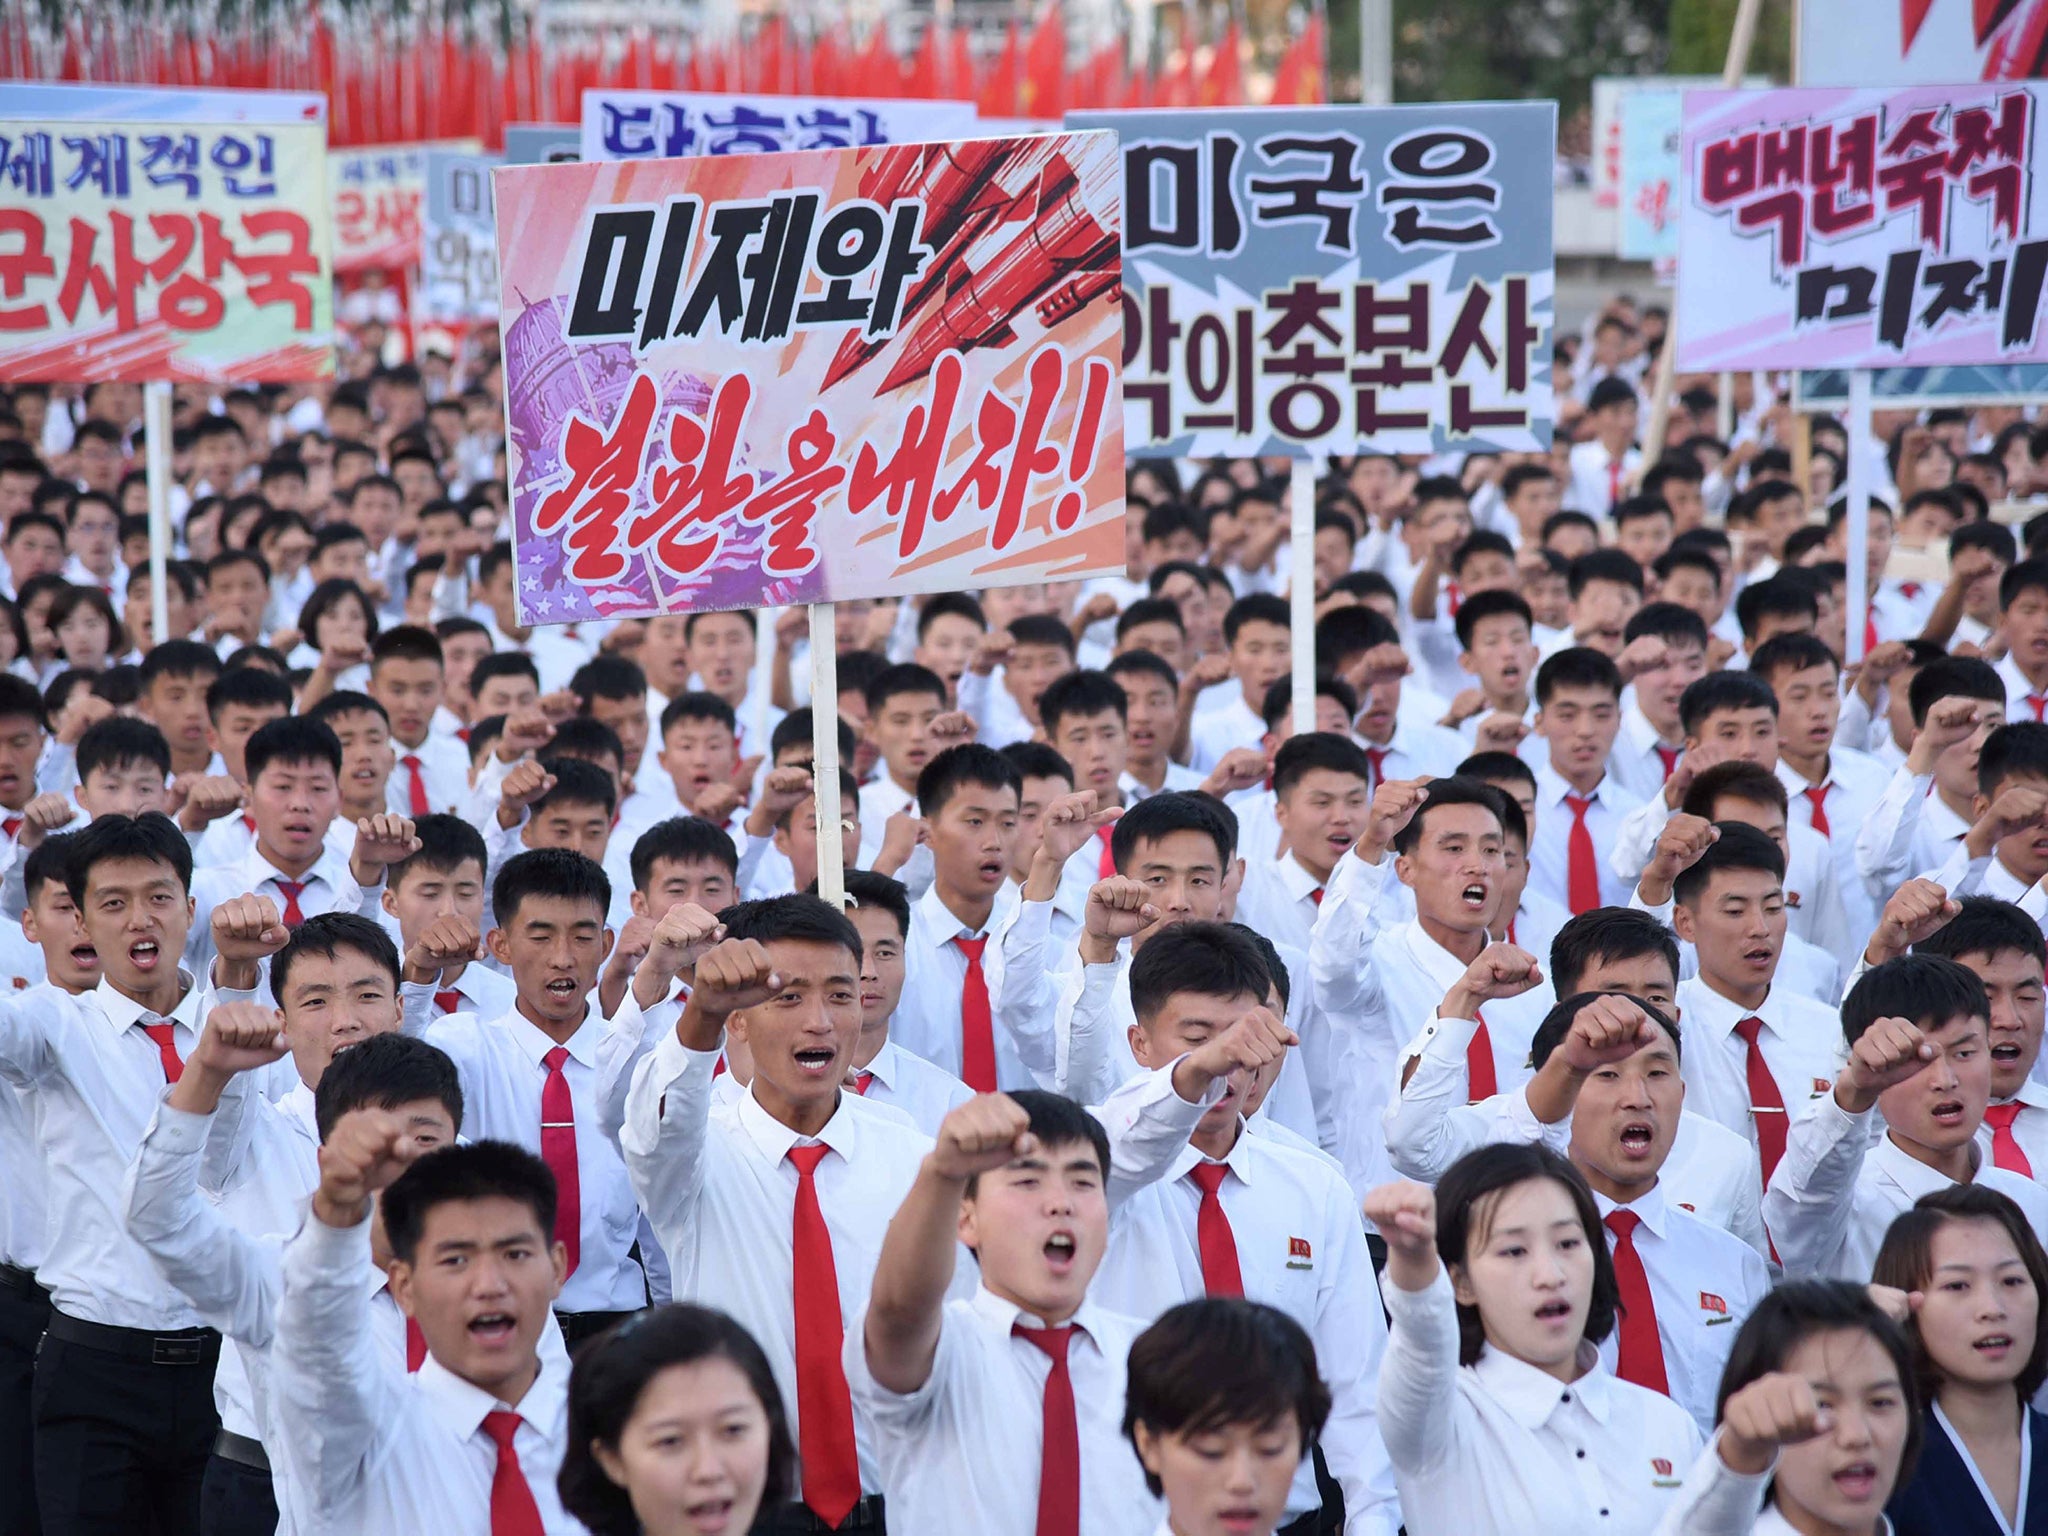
x=678, y=224
x=608, y=310
x=1174, y=221
x=720, y=283
x=2023, y=295
x=1440, y=166
x=775, y=272
x=1329, y=195
x=1818, y=285
x=1466, y=420
x=1962, y=288
x=905, y=258
x=1218, y=360
x=1901, y=282
x=1161, y=330
x=848, y=245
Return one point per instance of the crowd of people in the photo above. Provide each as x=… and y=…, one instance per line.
x=1591, y=1082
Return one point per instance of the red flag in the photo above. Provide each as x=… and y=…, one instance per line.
x=1299, y=79
x=879, y=72
x=958, y=84
x=1223, y=85
x=922, y=83
x=998, y=94
x=1043, y=91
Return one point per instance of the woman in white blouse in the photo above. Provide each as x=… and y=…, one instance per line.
x=1222, y=1399
x=675, y=1428
x=1819, y=1421
x=1496, y=1411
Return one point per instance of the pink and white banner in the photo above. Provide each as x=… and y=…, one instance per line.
x=1863, y=228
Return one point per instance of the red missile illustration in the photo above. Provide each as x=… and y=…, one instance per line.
x=957, y=184
x=1073, y=296
x=1061, y=240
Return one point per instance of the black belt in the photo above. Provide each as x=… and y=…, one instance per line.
x=22, y=1282
x=241, y=1450
x=183, y=1346
x=578, y=1326
x=865, y=1516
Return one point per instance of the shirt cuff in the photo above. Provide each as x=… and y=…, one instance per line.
x=178, y=1132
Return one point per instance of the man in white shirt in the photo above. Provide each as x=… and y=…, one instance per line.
x=903, y=704
x=407, y=677
x=2005, y=852
x=2023, y=616
x=1001, y=1413
x=1647, y=747
x=1604, y=466
x=444, y=878
x=1928, y=806
x=773, y=1208
x=473, y=1440
x=883, y=1071
x=1919, y=1054
x=1319, y=785
x=1255, y=631
x=1580, y=806
x=1240, y=1215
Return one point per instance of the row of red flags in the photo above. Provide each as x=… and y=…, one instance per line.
x=394, y=84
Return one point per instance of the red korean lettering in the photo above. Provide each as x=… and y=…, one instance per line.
x=790, y=506
x=30, y=259
x=1087, y=436
x=1728, y=170
x=909, y=480
x=189, y=301
x=111, y=291
x=273, y=273
x=602, y=472
x=699, y=491
x=1843, y=165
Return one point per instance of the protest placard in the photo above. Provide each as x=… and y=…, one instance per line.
x=458, y=243
x=645, y=125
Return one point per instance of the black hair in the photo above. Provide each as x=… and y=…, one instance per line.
x=1302, y=754
x=1481, y=541
x=1994, y=538
x=549, y=872
x=122, y=741
x=446, y=843
x=1669, y=622
x=1905, y=1261
x=1278, y=703
x=179, y=658
x=1206, y=1365
x=1927, y=990
x=684, y=840
x=1606, y=935
x=1081, y=693
x=606, y=1383
x=578, y=781
x=47, y=862
x=1792, y=652
x=478, y=1170
x=958, y=766
x=293, y=740
x=2028, y=574
x=384, y=1072
x=1150, y=610
x=328, y=596
x=1276, y=968
x=151, y=837
x=346, y=701
x=1568, y=518
x=1042, y=629
x=1953, y=677
x=1740, y=846
x=19, y=700
x=501, y=664
x=1792, y=1312
x=1035, y=760
x=1344, y=633
x=867, y=889
x=405, y=642
x=1577, y=666
x=1160, y=816
x=1488, y=766
x=796, y=728
x=958, y=604
x=1689, y=557
x=2011, y=750
x=1212, y=959
x=1719, y=691
x=1481, y=606
x=795, y=918
x=1671, y=467
x=697, y=706
x=327, y=934
x=1777, y=598
x=1736, y=779
x=1254, y=608
x=1984, y=925
x=1466, y=1187
x=1610, y=391
x=1445, y=792
x=1054, y=1120
x=904, y=677
x=1557, y=1023
x=691, y=619
x=606, y=676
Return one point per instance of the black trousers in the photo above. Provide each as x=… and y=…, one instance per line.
x=24, y=1313
x=237, y=1500
x=121, y=1443
x=795, y=1519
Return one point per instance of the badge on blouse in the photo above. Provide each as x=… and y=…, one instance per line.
x=1298, y=1254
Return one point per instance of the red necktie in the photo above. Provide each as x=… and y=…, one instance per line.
x=1766, y=1106
x=1059, y=1466
x=11, y=826
x=1582, y=872
x=290, y=890
x=977, y=1023
x=1106, y=866
x=513, y=1512
x=1911, y=589
x=1642, y=1354
x=1668, y=756
x=1376, y=760
x=2005, y=1147
x=448, y=1002
x=249, y=823
x=415, y=1345
x=1480, y=1081
x=2036, y=703
x=861, y=1081
x=1457, y=597
x=1316, y=895
x=1220, y=1274
x=1818, y=795
x=1869, y=634
x=558, y=1151
x=418, y=788
x=164, y=1033
x=824, y=1404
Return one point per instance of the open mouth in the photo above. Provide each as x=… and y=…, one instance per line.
x=993, y=870
x=492, y=1328
x=1948, y=1113
x=562, y=988
x=1636, y=1138
x=1060, y=1250
x=816, y=1060
x=1554, y=1311
x=1240, y=1517
x=300, y=830
x=1475, y=895
x=144, y=954
x=1759, y=955
x=1857, y=1481
x=708, y=1516
x=1994, y=1345
x=84, y=956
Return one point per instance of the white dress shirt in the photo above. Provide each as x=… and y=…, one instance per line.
x=963, y=1452
x=1215, y=732
x=1855, y=783
x=928, y=1013
x=906, y=1081
x=1280, y=899
x=720, y=1192
x=2029, y=1127
x=1842, y=1184
x=1299, y=1248
x=326, y=887
x=1703, y=1283
x=373, y=1450
x=1802, y=967
x=1635, y=763
x=1550, y=846
x=444, y=769
x=1909, y=830
x=1500, y=1448
x=1717, y=1501
x=1594, y=477
x=501, y=1062
x=1715, y=1173
x=880, y=798
x=1431, y=1122
x=2019, y=693
x=998, y=720
x=95, y=1078
x=1801, y=1043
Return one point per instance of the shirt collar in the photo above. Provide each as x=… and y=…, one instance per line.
x=885, y=1067
x=2002, y=882
x=297, y=1107
x=123, y=1011
x=2031, y=1093
x=1239, y=1159
x=1532, y=1396
x=1795, y=782
x=1650, y=1208
x=945, y=927
x=1006, y=1315
x=536, y=1043
x=1551, y=787
x=461, y=1406
x=773, y=1139
x=1942, y=824
x=1721, y=1014
x=1441, y=966
x=1909, y=1173
x=1641, y=734
x=256, y=869
x=1294, y=879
